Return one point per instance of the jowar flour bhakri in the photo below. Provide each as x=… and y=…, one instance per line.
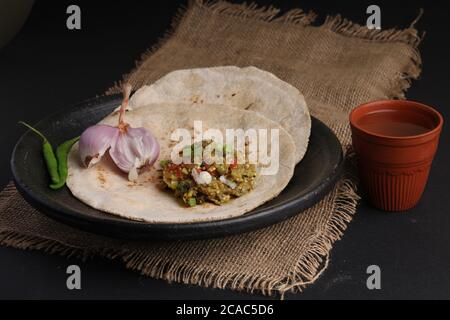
x=125, y=164
x=245, y=88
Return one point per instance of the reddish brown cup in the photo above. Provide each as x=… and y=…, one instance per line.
x=395, y=142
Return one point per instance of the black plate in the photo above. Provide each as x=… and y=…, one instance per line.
x=314, y=176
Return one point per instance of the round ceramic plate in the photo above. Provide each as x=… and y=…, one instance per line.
x=313, y=178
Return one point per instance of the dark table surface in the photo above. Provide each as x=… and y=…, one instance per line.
x=47, y=67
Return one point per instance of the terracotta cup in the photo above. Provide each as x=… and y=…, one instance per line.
x=395, y=142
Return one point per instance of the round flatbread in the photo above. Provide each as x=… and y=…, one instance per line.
x=106, y=188
x=245, y=88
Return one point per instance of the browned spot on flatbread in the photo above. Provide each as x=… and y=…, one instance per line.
x=195, y=98
x=101, y=178
x=132, y=184
x=208, y=205
x=153, y=179
x=101, y=175
x=249, y=106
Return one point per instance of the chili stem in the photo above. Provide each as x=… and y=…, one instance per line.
x=44, y=139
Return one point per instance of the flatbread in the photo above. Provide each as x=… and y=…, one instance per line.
x=106, y=188
x=246, y=88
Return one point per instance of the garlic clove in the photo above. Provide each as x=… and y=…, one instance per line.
x=94, y=142
x=145, y=145
x=202, y=177
x=134, y=148
x=133, y=174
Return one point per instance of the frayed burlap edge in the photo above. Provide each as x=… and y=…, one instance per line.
x=306, y=271
x=311, y=265
x=337, y=24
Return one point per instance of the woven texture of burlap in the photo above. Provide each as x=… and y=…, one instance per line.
x=337, y=65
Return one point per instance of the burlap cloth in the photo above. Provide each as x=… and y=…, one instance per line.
x=336, y=65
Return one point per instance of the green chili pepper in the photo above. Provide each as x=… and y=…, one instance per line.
x=49, y=155
x=62, y=151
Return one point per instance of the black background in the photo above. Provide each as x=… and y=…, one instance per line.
x=47, y=67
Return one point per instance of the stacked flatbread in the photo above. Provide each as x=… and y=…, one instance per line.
x=223, y=98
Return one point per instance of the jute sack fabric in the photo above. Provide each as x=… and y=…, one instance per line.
x=336, y=65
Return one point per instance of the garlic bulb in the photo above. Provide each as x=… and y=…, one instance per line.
x=130, y=148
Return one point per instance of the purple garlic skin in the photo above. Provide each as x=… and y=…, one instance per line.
x=95, y=141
